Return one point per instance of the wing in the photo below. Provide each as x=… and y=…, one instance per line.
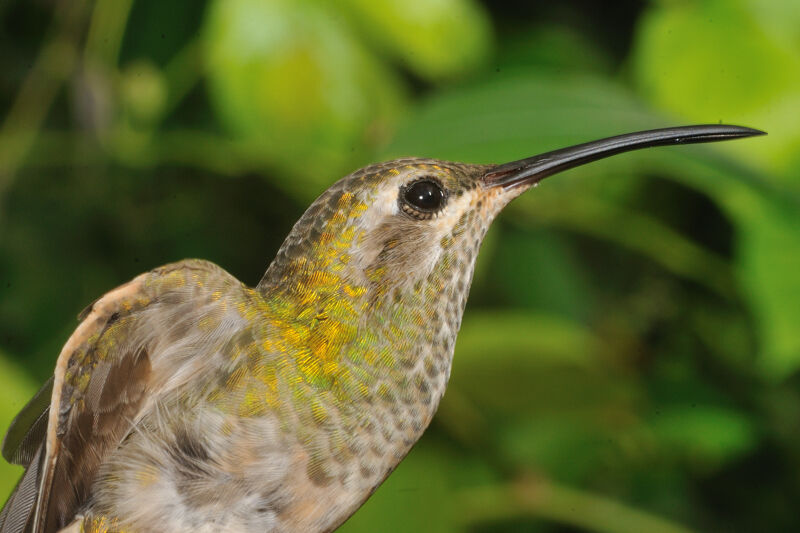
x=22, y=445
x=26, y=431
x=121, y=356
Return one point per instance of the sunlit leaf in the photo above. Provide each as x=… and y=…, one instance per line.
x=770, y=272
x=547, y=500
x=289, y=78
x=436, y=40
x=144, y=92
x=717, y=60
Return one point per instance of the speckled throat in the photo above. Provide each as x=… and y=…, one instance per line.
x=371, y=332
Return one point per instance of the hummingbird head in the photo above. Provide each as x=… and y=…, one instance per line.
x=395, y=227
x=381, y=263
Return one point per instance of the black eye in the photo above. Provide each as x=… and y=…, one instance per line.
x=424, y=196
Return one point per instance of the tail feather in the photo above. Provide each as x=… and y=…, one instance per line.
x=17, y=514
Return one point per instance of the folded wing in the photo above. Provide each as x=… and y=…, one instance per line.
x=118, y=360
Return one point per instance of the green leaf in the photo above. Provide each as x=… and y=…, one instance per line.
x=418, y=494
x=507, y=334
x=708, y=435
x=565, y=446
x=288, y=78
x=436, y=40
x=562, y=286
x=143, y=91
x=728, y=60
x=770, y=273
x=552, y=47
x=518, y=363
x=767, y=252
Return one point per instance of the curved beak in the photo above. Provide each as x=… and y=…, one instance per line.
x=534, y=169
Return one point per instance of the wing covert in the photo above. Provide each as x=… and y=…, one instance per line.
x=105, y=375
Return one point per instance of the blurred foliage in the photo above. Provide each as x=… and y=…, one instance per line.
x=630, y=357
x=741, y=60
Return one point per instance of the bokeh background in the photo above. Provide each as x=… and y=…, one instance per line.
x=629, y=355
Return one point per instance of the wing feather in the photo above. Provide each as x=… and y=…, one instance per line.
x=102, y=380
x=26, y=432
x=16, y=516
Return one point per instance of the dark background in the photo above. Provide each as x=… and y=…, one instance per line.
x=629, y=356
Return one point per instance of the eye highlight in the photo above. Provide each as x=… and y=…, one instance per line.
x=422, y=198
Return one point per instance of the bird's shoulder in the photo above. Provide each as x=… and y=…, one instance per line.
x=149, y=335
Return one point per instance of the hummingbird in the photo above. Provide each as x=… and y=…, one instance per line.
x=188, y=401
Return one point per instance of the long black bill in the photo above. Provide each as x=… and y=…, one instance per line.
x=534, y=169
